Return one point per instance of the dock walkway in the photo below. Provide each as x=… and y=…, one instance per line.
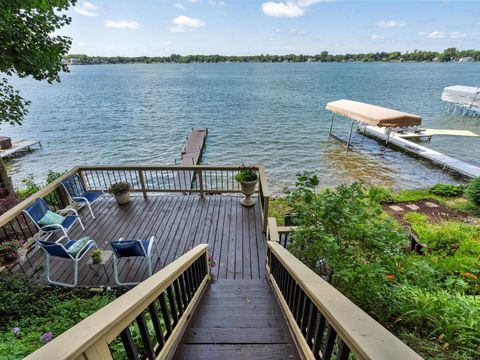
x=445, y=161
x=19, y=147
x=191, y=155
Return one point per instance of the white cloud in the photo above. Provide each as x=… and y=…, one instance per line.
x=121, y=24
x=292, y=8
x=184, y=23
x=179, y=6
x=81, y=44
x=375, y=37
x=390, y=24
x=193, y=1
x=443, y=35
x=457, y=35
x=282, y=9
x=86, y=9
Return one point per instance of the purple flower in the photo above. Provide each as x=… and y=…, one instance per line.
x=16, y=331
x=46, y=337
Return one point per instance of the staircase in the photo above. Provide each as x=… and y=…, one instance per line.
x=238, y=319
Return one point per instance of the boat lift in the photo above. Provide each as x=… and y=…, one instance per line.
x=369, y=115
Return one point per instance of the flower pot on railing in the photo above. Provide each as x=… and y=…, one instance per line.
x=248, y=179
x=121, y=192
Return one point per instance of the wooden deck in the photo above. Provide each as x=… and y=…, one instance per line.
x=238, y=319
x=179, y=222
x=191, y=155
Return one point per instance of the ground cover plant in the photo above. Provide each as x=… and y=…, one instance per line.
x=31, y=315
x=430, y=300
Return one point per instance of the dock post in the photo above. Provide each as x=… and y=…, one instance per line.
x=331, y=127
x=350, y=135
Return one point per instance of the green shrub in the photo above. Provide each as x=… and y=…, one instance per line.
x=30, y=188
x=53, y=175
x=447, y=190
x=380, y=195
x=35, y=310
x=472, y=192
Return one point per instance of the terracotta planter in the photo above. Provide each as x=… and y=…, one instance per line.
x=123, y=198
x=248, y=189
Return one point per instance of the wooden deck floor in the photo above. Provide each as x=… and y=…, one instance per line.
x=179, y=222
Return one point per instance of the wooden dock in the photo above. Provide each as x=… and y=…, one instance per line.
x=191, y=155
x=19, y=147
x=445, y=161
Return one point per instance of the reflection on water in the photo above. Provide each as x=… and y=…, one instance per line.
x=256, y=113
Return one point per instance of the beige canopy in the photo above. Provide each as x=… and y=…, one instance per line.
x=372, y=114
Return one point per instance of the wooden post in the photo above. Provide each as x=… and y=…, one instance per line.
x=266, y=201
x=200, y=183
x=142, y=183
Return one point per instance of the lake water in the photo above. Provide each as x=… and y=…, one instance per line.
x=256, y=113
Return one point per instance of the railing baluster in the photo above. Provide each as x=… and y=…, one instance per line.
x=156, y=325
x=173, y=308
x=178, y=298
x=128, y=344
x=343, y=351
x=329, y=343
x=147, y=342
x=165, y=314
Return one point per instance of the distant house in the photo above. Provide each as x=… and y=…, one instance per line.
x=74, y=61
x=466, y=59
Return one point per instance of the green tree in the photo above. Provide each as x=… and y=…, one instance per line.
x=29, y=48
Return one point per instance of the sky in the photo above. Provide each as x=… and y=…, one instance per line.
x=251, y=27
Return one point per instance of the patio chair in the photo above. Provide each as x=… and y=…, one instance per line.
x=132, y=248
x=37, y=211
x=73, y=250
x=78, y=194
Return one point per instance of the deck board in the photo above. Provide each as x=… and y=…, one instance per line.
x=179, y=222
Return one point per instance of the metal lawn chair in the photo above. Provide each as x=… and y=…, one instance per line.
x=59, y=250
x=132, y=248
x=39, y=208
x=78, y=194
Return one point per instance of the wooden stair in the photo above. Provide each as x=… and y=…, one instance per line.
x=238, y=319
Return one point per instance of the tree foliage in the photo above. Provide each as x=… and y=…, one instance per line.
x=29, y=48
x=450, y=54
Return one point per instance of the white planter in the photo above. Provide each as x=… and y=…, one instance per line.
x=248, y=189
x=123, y=198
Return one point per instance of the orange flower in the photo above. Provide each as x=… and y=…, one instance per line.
x=470, y=275
x=390, y=276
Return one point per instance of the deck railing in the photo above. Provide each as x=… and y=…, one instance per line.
x=147, y=322
x=200, y=179
x=279, y=234
x=325, y=324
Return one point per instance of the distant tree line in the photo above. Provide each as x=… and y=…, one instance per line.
x=450, y=54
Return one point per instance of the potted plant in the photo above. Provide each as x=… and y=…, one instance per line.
x=248, y=178
x=96, y=256
x=121, y=192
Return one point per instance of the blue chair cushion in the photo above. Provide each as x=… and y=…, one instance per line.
x=37, y=210
x=78, y=245
x=90, y=196
x=56, y=249
x=51, y=218
x=129, y=248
